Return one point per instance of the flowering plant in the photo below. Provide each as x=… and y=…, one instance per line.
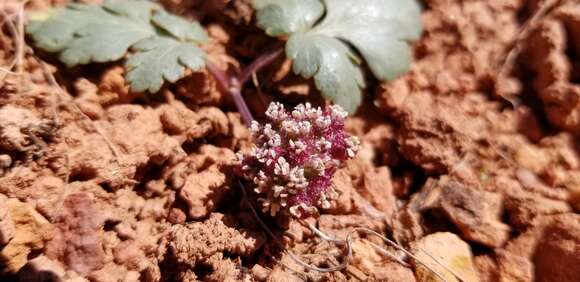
x=294, y=156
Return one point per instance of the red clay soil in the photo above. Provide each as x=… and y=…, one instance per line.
x=480, y=170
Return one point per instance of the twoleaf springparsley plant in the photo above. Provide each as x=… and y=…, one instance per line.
x=294, y=157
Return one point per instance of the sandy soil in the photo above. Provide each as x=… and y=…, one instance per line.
x=465, y=158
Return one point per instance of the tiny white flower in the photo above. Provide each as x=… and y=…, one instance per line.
x=298, y=146
x=290, y=126
x=277, y=190
x=268, y=131
x=323, y=121
x=276, y=111
x=337, y=111
x=282, y=167
x=255, y=127
x=350, y=153
x=297, y=114
x=318, y=165
x=262, y=174
x=304, y=127
x=275, y=140
x=323, y=144
x=325, y=204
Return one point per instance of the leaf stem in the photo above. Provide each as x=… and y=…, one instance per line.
x=236, y=92
x=259, y=63
x=233, y=85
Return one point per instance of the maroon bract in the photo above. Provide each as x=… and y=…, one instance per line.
x=295, y=155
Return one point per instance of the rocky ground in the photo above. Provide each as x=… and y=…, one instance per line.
x=471, y=158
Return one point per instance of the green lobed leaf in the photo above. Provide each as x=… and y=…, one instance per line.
x=332, y=65
x=287, y=16
x=161, y=58
x=135, y=9
x=379, y=29
x=56, y=31
x=163, y=44
x=86, y=33
x=179, y=27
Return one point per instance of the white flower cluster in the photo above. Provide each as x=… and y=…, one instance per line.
x=291, y=151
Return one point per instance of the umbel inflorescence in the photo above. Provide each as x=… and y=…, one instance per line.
x=294, y=156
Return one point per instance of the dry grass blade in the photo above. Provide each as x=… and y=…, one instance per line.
x=514, y=49
x=399, y=247
x=12, y=16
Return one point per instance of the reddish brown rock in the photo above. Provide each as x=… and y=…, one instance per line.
x=112, y=272
x=340, y=225
x=476, y=213
x=176, y=216
x=6, y=224
x=31, y=231
x=78, y=240
x=407, y=225
x=342, y=183
x=42, y=268
x=129, y=254
x=202, y=191
x=523, y=207
x=195, y=242
x=557, y=255
x=378, y=190
x=17, y=127
x=5, y=163
x=377, y=267
x=134, y=139
x=486, y=268
x=546, y=55
x=512, y=267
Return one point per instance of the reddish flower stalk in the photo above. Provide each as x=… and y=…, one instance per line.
x=233, y=85
x=295, y=156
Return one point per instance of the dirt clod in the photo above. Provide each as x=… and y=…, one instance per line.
x=30, y=233
x=78, y=242
x=199, y=244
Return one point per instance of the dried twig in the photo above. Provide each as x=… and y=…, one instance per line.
x=15, y=24
x=515, y=47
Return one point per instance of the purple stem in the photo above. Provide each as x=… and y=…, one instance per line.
x=259, y=63
x=233, y=85
x=236, y=92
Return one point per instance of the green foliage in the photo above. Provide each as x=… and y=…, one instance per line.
x=328, y=60
x=287, y=16
x=160, y=58
x=162, y=44
x=379, y=30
